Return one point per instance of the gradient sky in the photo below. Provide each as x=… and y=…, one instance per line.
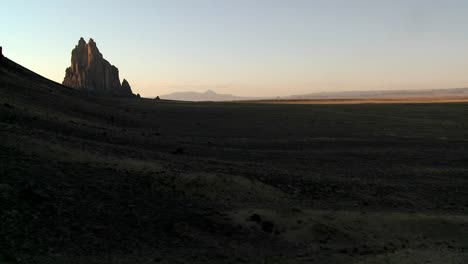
x=249, y=48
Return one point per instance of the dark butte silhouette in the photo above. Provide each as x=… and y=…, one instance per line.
x=90, y=72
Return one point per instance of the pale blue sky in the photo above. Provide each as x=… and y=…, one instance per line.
x=249, y=48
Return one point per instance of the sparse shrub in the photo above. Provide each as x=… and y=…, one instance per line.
x=11, y=118
x=179, y=151
x=268, y=226
x=255, y=218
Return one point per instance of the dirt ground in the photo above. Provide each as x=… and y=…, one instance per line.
x=97, y=180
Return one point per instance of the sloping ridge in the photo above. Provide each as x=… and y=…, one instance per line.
x=12, y=73
x=26, y=89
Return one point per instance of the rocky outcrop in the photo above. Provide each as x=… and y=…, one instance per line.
x=126, y=87
x=90, y=72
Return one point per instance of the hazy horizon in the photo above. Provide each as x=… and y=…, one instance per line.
x=245, y=48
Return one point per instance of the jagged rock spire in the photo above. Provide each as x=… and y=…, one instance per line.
x=89, y=71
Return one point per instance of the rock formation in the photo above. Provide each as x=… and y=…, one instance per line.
x=126, y=87
x=90, y=72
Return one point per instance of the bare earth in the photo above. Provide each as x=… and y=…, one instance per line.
x=97, y=180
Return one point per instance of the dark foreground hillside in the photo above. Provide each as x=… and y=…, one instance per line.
x=97, y=180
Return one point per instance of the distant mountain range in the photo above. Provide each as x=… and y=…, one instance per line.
x=383, y=94
x=206, y=96
x=426, y=93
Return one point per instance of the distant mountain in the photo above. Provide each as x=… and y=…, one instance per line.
x=206, y=96
x=382, y=94
x=455, y=92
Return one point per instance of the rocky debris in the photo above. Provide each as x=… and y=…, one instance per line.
x=267, y=226
x=90, y=72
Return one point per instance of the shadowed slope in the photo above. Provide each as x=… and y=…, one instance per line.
x=87, y=179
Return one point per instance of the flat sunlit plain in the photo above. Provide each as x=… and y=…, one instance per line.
x=459, y=99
